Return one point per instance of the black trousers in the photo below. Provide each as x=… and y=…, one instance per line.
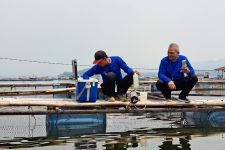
x=110, y=82
x=185, y=85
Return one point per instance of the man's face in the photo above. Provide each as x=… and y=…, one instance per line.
x=172, y=53
x=103, y=63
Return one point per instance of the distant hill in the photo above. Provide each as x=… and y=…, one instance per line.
x=81, y=72
x=209, y=65
x=69, y=75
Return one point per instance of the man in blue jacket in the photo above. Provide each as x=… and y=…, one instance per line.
x=110, y=70
x=173, y=76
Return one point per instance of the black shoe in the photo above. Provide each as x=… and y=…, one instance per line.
x=122, y=97
x=184, y=99
x=167, y=97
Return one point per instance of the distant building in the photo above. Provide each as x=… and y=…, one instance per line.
x=220, y=72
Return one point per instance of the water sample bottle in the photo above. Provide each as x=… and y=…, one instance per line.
x=136, y=81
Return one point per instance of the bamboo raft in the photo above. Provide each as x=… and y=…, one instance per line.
x=155, y=102
x=57, y=106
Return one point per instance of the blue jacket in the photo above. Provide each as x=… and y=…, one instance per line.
x=115, y=66
x=171, y=71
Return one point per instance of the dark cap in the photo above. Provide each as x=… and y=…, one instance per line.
x=99, y=55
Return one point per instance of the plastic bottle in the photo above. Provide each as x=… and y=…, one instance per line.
x=184, y=64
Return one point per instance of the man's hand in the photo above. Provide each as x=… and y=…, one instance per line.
x=171, y=85
x=137, y=72
x=186, y=70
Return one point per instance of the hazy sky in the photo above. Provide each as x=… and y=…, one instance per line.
x=137, y=30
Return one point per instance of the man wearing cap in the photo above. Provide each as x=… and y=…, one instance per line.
x=110, y=70
x=173, y=76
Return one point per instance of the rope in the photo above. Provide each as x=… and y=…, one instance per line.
x=40, y=62
x=59, y=63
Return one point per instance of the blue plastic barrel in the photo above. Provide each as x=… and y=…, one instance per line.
x=75, y=124
x=87, y=90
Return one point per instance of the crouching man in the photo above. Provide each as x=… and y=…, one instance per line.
x=173, y=76
x=110, y=70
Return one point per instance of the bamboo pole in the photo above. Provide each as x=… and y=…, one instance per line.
x=66, y=103
x=192, y=94
x=43, y=112
x=200, y=81
x=65, y=90
x=72, y=84
x=36, y=84
x=60, y=90
x=36, y=92
x=206, y=89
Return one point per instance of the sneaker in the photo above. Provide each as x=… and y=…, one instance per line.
x=184, y=99
x=111, y=99
x=122, y=97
